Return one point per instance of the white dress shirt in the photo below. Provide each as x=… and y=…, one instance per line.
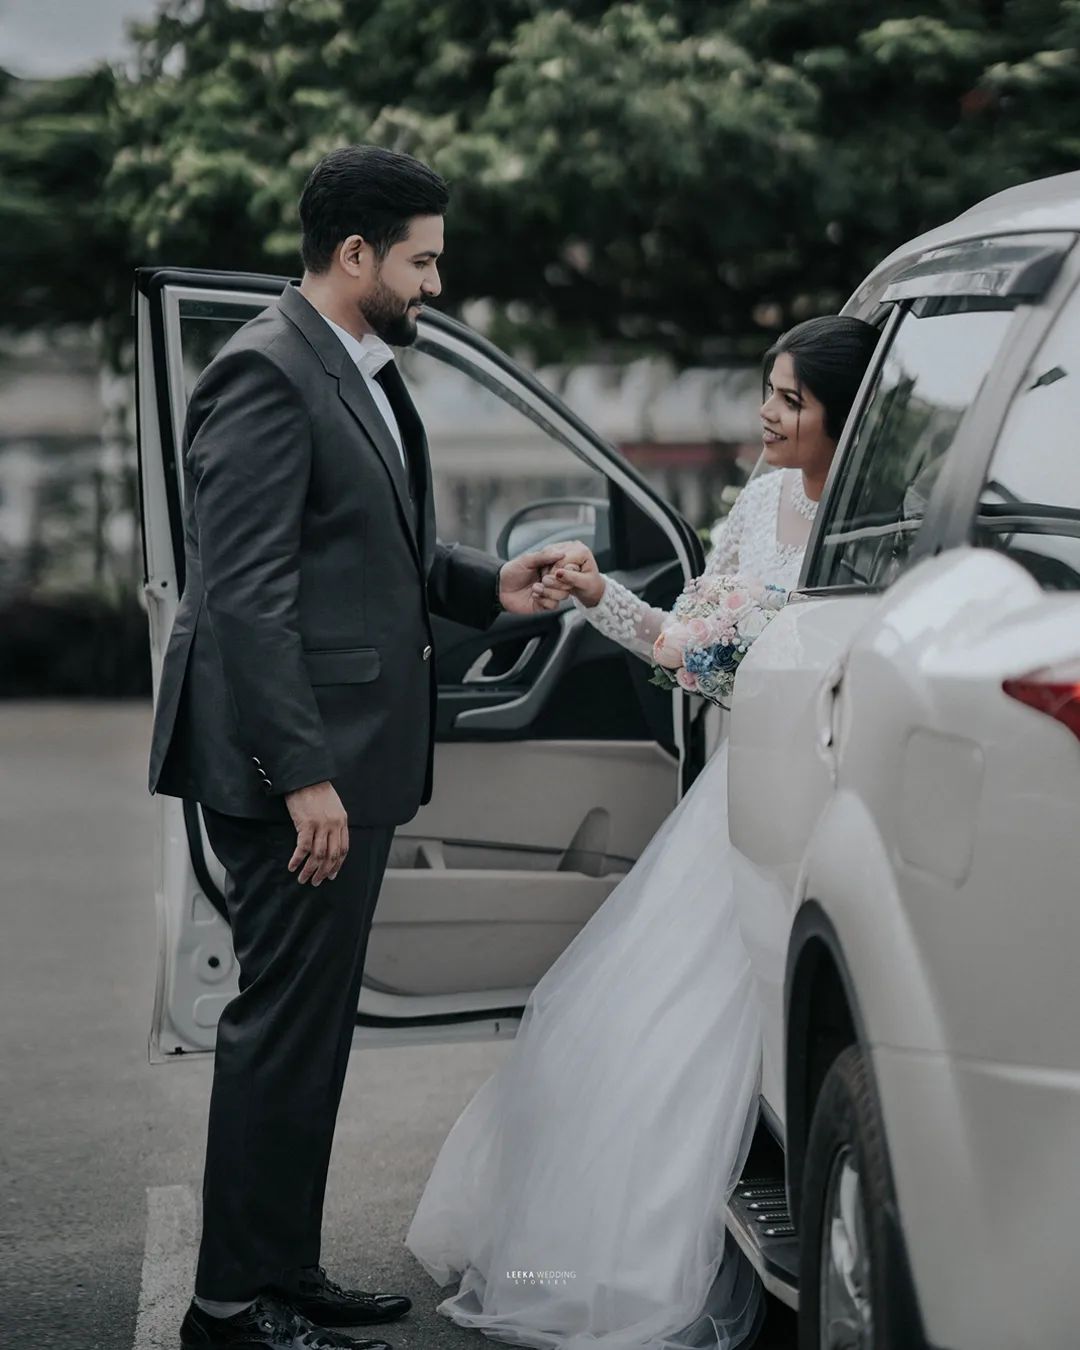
x=369, y=354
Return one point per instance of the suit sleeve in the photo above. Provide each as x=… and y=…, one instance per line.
x=463, y=585
x=249, y=455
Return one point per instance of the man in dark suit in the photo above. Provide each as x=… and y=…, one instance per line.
x=296, y=704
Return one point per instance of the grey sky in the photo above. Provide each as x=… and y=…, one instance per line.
x=56, y=37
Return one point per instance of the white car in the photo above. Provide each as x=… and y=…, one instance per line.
x=905, y=780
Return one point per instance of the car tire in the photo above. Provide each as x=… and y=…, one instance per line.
x=855, y=1289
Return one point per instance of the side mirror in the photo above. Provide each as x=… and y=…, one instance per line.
x=553, y=519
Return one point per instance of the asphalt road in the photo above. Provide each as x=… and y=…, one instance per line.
x=101, y=1154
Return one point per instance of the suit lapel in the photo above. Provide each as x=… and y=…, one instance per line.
x=356, y=396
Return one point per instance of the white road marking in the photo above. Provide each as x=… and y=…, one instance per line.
x=168, y=1272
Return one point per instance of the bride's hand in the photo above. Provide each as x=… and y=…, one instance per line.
x=577, y=573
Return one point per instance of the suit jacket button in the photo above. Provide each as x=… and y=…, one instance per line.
x=425, y=655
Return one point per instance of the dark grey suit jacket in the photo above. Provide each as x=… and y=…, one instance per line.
x=302, y=644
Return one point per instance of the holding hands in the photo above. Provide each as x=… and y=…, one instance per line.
x=543, y=580
x=577, y=574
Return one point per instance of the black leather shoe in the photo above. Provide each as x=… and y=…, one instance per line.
x=325, y=1302
x=268, y=1324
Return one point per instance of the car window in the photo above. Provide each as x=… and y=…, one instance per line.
x=1030, y=504
x=930, y=376
x=503, y=479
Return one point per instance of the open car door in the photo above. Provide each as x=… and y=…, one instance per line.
x=556, y=759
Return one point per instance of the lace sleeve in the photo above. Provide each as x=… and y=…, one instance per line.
x=626, y=619
x=723, y=557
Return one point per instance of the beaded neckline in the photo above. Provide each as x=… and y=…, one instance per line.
x=799, y=500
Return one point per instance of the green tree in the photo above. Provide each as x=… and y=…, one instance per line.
x=675, y=173
x=66, y=259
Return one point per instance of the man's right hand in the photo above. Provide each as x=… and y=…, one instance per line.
x=322, y=832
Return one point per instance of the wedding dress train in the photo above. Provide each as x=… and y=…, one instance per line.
x=580, y=1196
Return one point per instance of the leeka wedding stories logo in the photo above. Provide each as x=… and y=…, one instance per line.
x=550, y=1279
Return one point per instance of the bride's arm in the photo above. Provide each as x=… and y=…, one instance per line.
x=625, y=618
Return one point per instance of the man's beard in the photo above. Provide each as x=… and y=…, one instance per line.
x=389, y=315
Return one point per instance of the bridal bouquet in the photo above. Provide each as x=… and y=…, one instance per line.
x=709, y=631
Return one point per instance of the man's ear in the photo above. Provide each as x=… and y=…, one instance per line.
x=353, y=253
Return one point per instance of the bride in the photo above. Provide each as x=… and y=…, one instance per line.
x=580, y=1196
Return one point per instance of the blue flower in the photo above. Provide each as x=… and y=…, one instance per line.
x=717, y=659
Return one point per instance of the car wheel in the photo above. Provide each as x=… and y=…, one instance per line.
x=854, y=1290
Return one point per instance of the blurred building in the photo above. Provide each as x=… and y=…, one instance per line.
x=67, y=470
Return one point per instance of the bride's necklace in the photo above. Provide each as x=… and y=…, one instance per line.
x=799, y=500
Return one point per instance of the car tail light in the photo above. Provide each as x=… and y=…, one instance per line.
x=1054, y=691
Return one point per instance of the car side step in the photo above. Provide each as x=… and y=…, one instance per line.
x=759, y=1221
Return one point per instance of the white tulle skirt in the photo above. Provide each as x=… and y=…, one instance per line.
x=580, y=1196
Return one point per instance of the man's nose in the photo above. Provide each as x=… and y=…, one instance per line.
x=432, y=284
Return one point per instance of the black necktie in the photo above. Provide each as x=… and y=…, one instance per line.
x=390, y=388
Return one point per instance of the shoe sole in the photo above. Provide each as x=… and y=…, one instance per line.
x=324, y=1317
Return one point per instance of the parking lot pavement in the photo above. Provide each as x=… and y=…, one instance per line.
x=102, y=1152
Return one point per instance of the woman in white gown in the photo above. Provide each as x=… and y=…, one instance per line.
x=580, y=1196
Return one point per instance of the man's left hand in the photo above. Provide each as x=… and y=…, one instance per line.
x=522, y=589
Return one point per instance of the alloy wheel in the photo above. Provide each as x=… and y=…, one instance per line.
x=846, y=1311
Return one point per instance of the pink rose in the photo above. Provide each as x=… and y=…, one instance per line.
x=699, y=631
x=670, y=645
x=686, y=680
x=737, y=599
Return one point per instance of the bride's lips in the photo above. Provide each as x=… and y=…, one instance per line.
x=771, y=437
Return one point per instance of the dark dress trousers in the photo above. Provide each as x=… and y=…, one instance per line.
x=301, y=651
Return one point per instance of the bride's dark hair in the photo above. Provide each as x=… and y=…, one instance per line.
x=830, y=355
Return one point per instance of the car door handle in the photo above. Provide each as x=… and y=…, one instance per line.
x=825, y=728
x=521, y=712
x=475, y=673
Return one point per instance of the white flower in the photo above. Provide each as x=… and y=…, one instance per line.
x=752, y=625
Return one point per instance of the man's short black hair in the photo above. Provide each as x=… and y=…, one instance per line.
x=363, y=189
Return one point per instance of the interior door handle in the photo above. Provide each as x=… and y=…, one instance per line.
x=521, y=712
x=475, y=673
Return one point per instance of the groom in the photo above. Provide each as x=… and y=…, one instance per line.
x=296, y=705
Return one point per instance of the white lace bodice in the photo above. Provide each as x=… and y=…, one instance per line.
x=749, y=542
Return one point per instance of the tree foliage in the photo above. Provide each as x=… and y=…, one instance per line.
x=684, y=173
x=65, y=258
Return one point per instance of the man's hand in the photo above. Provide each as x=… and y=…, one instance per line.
x=322, y=832
x=529, y=583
